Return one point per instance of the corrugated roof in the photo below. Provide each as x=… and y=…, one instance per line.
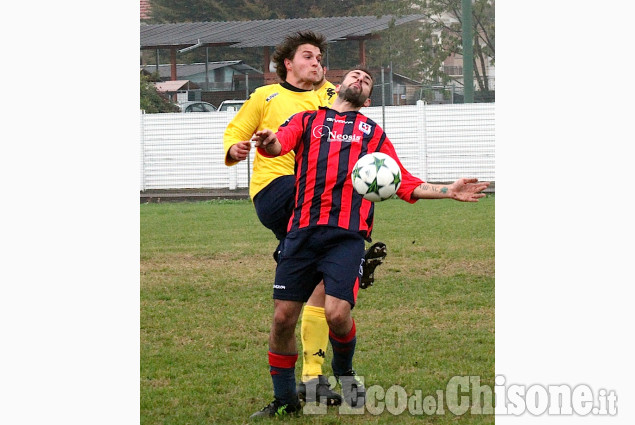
x=265, y=32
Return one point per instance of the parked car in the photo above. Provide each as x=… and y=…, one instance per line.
x=196, y=106
x=230, y=105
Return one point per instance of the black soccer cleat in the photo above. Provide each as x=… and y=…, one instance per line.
x=373, y=257
x=318, y=389
x=277, y=409
x=353, y=390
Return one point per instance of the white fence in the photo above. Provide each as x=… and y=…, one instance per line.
x=437, y=143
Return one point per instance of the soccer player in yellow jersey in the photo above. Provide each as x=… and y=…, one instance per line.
x=298, y=65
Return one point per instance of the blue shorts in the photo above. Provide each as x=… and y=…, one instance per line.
x=311, y=255
x=274, y=205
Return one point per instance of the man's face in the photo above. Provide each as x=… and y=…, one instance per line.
x=355, y=88
x=305, y=67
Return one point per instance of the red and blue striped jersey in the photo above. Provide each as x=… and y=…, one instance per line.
x=327, y=145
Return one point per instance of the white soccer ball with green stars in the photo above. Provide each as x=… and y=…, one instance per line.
x=376, y=176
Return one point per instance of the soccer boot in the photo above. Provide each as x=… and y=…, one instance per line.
x=353, y=390
x=318, y=389
x=277, y=409
x=373, y=257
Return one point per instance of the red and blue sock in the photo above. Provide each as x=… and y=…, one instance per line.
x=282, y=370
x=343, y=351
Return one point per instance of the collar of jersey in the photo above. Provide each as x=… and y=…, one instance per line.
x=292, y=88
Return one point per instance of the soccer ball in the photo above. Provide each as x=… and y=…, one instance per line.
x=376, y=176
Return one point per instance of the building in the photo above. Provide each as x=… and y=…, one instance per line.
x=213, y=76
x=179, y=91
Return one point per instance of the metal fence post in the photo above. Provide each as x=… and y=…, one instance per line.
x=423, y=137
x=468, y=52
x=142, y=153
x=233, y=177
x=383, y=101
x=249, y=168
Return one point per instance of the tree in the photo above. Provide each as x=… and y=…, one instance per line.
x=165, y=11
x=441, y=36
x=174, y=11
x=150, y=99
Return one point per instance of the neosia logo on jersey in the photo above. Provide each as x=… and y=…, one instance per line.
x=334, y=136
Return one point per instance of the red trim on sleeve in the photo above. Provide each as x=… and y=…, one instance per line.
x=408, y=181
x=264, y=153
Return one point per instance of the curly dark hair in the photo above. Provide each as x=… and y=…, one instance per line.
x=287, y=49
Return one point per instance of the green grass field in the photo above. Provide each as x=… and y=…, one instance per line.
x=206, y=284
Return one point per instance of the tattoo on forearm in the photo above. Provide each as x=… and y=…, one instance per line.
x=429, y=187
x=432, y=188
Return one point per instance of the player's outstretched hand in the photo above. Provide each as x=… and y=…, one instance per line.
x=267, y=140
x=468, y=190
x=263, y=137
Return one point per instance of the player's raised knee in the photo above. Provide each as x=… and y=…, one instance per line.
x=338, y=320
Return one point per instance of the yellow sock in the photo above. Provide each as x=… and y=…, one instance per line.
x=314, y=333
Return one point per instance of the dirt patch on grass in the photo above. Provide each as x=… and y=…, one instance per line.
x=225, y=266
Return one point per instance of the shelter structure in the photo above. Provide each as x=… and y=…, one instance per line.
x=182, y=37
x=209, y=76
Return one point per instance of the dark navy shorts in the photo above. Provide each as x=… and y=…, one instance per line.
x=311, y=255
x=274, y=205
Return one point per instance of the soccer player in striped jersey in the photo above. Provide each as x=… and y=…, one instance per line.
x=376, y=253
x=328, y=226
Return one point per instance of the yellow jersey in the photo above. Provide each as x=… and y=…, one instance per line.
x=267, y=107
x=327, y=93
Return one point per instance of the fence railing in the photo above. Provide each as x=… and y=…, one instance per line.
x=437, y=143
